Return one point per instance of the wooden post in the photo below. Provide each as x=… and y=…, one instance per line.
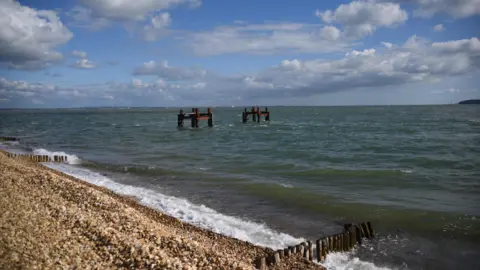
x=370, y=229
x=319, y=250
x=301, y=249
x=276, y=258
x=286, y=252
x=324, y=248
x=335, y=242
x=267, y=117
x=310, y=250
x=330, y=244
x=180, y=119
x=351, y=239
x=192, y=118
x=210, y=117
x=258, y=114
x=365, y=230
x=346, y=241
x=358, y=233
x=280, y=253
x=254, y=115
x=244, y=115
x=340, y=242
x=261, y=263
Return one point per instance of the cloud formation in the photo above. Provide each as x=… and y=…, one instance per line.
x=453, y=8
x=360, y=19
x=268, y=38
x=157, y=26
x=29, y=37
x=79, y=54
x=164, y=71
x=83, y=64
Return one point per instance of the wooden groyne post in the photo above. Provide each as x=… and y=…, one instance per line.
x=256, y=114
x=195, y=116
x=352, y=235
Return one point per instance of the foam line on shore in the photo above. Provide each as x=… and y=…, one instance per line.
x=199, y=215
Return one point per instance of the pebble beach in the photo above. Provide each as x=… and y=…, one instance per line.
x=50, y=220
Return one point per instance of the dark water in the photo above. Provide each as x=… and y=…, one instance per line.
x=410, y=170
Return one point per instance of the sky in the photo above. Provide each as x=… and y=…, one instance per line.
x=184, y=53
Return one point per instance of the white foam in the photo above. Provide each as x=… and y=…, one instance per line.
x=347, y=261
x=286, y=185
x=182, y=209
x=71, y=159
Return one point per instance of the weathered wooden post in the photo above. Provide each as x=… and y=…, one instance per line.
x=319, y=250
x=358, y=233
x=254, y=115
x=210, y=117
x=261, y=263
x=370, y=229
x=244, y=116
x=197, y=115
x=180, y=119
x=324, y=248
x=258, y=114
x=365, y=230
x=192, y=118
x=267, y=117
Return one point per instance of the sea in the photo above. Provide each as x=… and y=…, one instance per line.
x=412, y=171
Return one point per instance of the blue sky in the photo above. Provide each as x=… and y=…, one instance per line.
x=221, y=53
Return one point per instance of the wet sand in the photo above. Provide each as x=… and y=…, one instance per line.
x=50, y=220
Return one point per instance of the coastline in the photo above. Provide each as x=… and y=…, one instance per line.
x=51, y=219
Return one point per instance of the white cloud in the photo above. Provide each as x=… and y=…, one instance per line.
x=79, y=54
x=387, y=44
x=84, y=17
x=438, y=28
x=450, y=90
x=126, y=10
x=471, y=46
x=157, y=26
x=29, y=37
x=359, y=19
x=83, y=64
x=453, y=8
x=164, y=71
x=268, y=38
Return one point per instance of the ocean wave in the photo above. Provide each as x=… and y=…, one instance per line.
x=184, y=210
x=347, y=261
x=71, y=159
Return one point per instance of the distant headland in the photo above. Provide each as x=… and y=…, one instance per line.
x=470, y=101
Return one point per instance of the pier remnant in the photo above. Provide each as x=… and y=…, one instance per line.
x=256, y=114
x=195, y=116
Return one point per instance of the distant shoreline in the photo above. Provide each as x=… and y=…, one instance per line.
x=470, y=101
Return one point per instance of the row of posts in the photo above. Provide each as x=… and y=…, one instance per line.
x=39, y=158
x=12, y=139
x=345, y=241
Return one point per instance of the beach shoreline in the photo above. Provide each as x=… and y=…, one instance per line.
x=51, y=219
